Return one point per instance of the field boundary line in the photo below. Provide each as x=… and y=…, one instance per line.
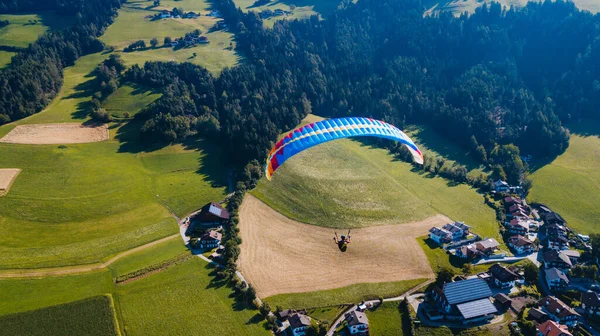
x=78, y=269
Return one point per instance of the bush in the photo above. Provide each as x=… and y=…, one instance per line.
x=101, y=115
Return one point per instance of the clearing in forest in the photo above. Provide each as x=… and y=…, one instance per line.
x=279, y=255
x=53, y=134
x=7, y=177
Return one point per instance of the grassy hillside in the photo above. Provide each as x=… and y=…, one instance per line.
x=302, y=9
x=183, y=300
x=109, y=195
x=26, y=28
x=347, y=184
x=129, y=99
x=93, y=316
x=148, y=257
x=132, y=24
x=570, y=184
x=458, y=7
x=350, y=294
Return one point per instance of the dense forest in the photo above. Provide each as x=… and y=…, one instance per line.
x=35, y=75
x=485, y=80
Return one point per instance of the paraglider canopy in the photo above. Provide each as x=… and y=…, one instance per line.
x=320, y=132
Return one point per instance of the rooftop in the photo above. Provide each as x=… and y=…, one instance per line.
x=553, y=274
x=502, y=273
x=551, y=328
x=557, y=307
x=466, y=290
x=489, y=243
x=554, y=256
x=299, y=320
x=356, y=318
x=477, y=308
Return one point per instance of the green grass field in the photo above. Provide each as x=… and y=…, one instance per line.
x=183, y=300
x=93, y=316
x=5, y=58
x=129, y=99
x=347, y=184
x=22, y=30
x=302, y=9
x=147, y=257
x=132, y=25
x=110, y=195
x=385, y=320
x=350, y=294
x=570, y=184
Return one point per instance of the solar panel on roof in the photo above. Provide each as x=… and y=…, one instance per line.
x=215, y=210
x=477, y=308
x=466, y=290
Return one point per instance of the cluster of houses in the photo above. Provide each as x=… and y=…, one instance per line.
x=176, y=14
x=296, y=323
x=503, y=187
x=189, y=41
x=267, y=13
x=205, y=227
x=458, y=237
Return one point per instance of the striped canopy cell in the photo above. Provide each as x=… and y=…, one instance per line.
x=320, y=132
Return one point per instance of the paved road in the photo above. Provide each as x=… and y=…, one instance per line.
x=532, y=257
x=333, y=326
x=43, y=272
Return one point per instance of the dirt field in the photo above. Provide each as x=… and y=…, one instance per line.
x=279, y=255
x=54, y=134
x=7, y=177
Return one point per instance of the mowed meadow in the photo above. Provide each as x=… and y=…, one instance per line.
x=301, y=9
x=347, y=184
x=570, y=184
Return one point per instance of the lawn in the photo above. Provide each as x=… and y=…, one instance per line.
x=457, y=7
x=130, y=99
x=23, y=29
x=5, y=58
x=345, y=295
x=570, y=184
x=348, y=184
x=385, y=320
x=93, y=316
x=183, y=300
x=301, y=9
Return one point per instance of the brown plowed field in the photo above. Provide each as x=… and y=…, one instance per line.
x=279, y=255
x=56, y=134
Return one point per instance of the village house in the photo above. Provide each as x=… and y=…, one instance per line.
x=469, y=251
x=299, y=323
x=466, y=300
x=487, y=246
x=558, y=311
x=165, y=14
x=557, y=259
x=440, y=236
x=519, y=214
x=190, y=15
x=519, y=208
x=521, y=245
x=284, y=314
x=456, y=232
x=210, y=240
x=537, y=315
x=214, y=13
x=590, y=303
x=502, y=276
x=552, y=218
x=501, y=186
x=551, y=328
x=221, y=24
x=557, y=243
x=202, y=40
x=518, y=227
x=510, y=200
x=573, y=255
x=358, y=323
x=556, y=279
x=212, y=215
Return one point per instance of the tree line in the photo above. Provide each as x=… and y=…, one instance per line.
x=35, y=75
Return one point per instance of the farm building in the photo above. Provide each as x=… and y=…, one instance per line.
x=521, y=244
x=466, y=300
x=502, y=276
x=590, y=303
x=559, y=311
x=551, y=328
x=212, y=215
x=556, y=279
x=358, y=323
x=210, y=240
x=165, y=14
x=501, y=186
x=299, y=323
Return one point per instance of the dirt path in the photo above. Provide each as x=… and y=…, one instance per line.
x=279, y=255
x=58, y=271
